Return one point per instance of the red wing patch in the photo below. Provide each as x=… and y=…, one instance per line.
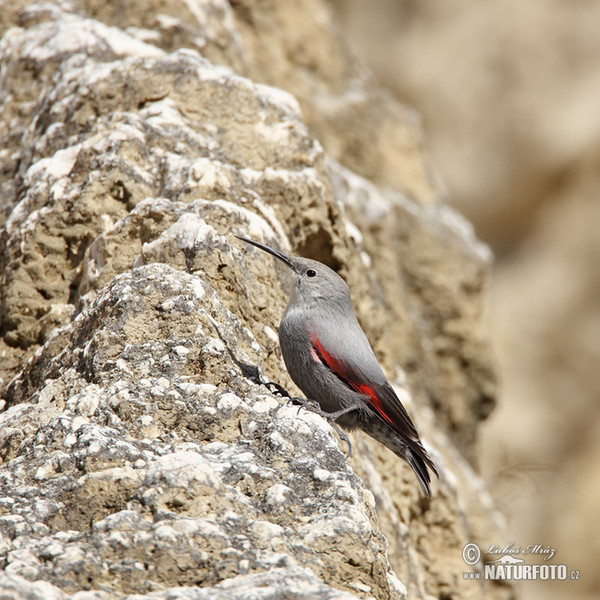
x=363, y=388
x=340, y=371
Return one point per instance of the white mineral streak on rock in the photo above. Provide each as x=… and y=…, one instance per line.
x=180, y=469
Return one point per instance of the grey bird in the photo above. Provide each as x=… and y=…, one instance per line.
x=330, y=359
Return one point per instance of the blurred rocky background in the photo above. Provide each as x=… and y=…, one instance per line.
x=509, y=96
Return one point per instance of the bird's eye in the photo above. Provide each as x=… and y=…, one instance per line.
x=311, y=273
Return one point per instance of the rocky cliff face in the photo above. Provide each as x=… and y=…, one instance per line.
x=141, y=455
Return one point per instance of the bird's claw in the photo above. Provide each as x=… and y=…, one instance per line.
x=277, y=389
x=341, y=434
x=307, y=404
x=315, y=407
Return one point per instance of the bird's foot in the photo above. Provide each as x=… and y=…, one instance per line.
x=306, y=403
x=277, y=389
x=315, y=407
x=334, y=416
x=342, y=435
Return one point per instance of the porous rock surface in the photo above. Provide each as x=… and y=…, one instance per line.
x=141, y=455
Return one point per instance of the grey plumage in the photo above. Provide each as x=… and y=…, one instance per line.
x=330, y=359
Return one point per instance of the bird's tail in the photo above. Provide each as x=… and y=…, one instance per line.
x=409, y=448
x=420, y=463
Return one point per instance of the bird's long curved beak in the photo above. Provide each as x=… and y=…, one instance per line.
x=276, y=253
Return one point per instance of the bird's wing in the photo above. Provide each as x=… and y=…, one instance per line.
x=355, y=364
x=364, y=376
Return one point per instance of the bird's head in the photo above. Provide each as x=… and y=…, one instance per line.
x=313, y=280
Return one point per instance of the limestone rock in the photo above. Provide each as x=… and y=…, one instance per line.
x=152, y=479
x=142, y=456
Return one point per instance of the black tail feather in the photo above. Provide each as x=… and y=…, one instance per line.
x=419, y=462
